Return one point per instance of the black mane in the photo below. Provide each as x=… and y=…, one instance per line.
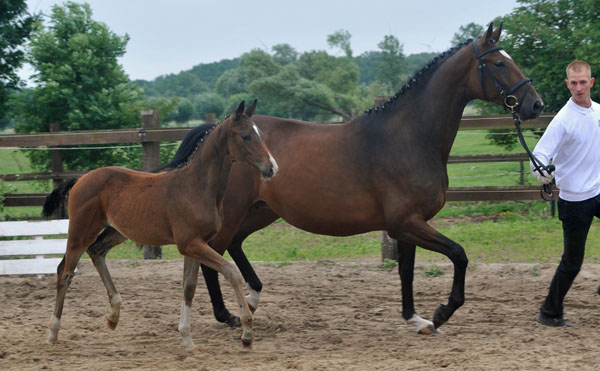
x=418, y=76
x=190, y=144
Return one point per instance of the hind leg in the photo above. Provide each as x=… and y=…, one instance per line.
x=108, y=239
x=406, y=267
x=65, y=273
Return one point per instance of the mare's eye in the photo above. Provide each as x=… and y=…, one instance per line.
x=499, y=64
x=246, y=137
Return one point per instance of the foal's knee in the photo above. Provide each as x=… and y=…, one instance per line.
x=232, y=273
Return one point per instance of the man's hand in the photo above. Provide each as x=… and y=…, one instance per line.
x=544, y=176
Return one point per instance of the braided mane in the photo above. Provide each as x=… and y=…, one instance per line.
x=417, y=77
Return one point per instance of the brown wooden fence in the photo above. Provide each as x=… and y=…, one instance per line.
x=150, y=136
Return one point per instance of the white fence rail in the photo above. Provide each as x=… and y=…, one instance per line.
x=36, y=245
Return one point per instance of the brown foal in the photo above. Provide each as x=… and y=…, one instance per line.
x=182, y=207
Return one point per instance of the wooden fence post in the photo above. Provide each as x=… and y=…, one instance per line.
x=57, y=168
x=151, y=161
x=389, y=247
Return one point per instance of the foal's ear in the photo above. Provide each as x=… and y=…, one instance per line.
x=239, y=110
x=250, y=110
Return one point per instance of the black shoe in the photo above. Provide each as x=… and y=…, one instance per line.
x=553, y=322
x=598, y=290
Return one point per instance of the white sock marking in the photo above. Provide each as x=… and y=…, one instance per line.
x=185, y=327
x=53, y=330
x=419, y=322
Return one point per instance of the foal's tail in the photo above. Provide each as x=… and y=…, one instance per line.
x=57, y=199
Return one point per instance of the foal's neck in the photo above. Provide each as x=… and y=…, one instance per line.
x=208, y=171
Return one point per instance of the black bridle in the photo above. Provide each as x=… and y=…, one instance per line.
x=513, y=104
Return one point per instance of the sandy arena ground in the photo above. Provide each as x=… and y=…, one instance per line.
x=326, y=315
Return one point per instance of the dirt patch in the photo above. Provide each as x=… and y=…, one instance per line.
x=329, y=315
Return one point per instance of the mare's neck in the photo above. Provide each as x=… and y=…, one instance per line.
x=208, y=171
x=428, y=115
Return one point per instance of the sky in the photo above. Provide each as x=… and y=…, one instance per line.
x=170, y=36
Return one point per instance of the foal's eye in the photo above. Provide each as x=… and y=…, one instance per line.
x=246, y=137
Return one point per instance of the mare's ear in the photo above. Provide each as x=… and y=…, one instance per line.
x=250, y=110
x=493, y=36
x=239, y=110
x=497, y=33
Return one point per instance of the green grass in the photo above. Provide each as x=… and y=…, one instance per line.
x=509, y=231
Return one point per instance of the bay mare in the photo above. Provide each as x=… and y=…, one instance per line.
x=384, y=170
x=182, y=207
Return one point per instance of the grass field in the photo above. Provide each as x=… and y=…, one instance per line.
x=489, y=231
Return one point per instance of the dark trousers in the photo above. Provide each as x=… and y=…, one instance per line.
x=576, y=220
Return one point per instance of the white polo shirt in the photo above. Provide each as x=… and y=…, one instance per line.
x=572, y=141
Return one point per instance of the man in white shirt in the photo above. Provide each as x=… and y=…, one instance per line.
x=572, y=143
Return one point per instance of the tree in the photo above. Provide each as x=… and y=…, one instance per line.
x=469, y=31
x=391, y=66
x=341, y=39
x=185, y=111
x=208, y=103
x=79, y=85
x=284, y=54
x=15, y=27
x=231, y=82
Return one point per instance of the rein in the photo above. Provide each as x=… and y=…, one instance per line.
x=512, y=102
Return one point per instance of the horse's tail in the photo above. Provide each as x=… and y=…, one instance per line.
x=57, y=199
x=191, y=142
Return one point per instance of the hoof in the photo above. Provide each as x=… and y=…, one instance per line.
x=429, y=330
x=252, y=309
x=112, y=325
x=247, y=344
x=598, y=290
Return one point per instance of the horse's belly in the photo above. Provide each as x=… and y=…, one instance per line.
x=336, y=216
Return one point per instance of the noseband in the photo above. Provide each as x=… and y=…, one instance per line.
x=512, y=102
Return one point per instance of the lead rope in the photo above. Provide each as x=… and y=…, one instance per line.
x=546, y=192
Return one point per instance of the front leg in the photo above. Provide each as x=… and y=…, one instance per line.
x=199, y=250
x=406, y=267
x=211, y=277
x=418, y=232
x=190, y=280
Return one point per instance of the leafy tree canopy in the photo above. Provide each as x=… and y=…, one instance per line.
x=391, y=67
x=341, y=40
x=469, y=31
x=15, y=27
x=79, y=85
